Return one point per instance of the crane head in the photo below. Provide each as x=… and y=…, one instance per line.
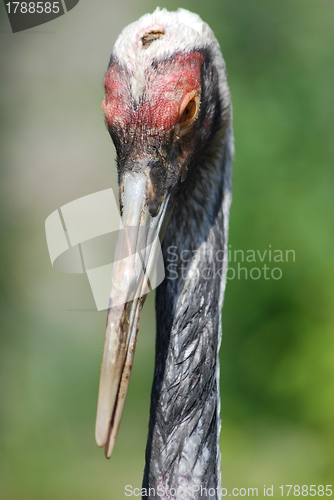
x=166, y=101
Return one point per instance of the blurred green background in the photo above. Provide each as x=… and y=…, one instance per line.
x=277, y=355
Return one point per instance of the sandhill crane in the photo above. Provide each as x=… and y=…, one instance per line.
x=168, y=110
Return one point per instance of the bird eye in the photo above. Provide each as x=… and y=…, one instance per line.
x=190, y=112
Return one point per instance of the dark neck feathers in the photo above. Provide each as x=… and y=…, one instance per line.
x=183, y=441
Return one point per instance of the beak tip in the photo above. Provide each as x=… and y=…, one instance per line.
x=100, y=436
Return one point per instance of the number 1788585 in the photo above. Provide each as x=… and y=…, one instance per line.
x=33, y=7
x=305, y=490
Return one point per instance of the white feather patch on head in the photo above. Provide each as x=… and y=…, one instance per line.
x=182, y=31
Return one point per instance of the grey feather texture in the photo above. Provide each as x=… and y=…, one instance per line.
x=183, y=444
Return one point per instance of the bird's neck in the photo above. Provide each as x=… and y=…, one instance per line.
x=183, y=442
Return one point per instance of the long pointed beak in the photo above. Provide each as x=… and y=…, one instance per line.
x=135, y=258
